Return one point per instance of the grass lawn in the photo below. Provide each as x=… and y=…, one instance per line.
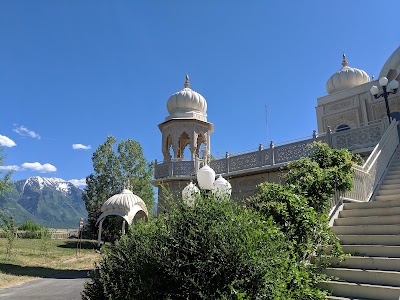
x=30, y=261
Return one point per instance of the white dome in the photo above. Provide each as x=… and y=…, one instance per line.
x=345, y=78
x=391, y=69
x=124, y=201
x=187, y=104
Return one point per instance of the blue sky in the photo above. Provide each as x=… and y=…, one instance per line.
x=74, y=72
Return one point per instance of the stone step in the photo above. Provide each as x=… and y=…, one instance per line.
x=393, y=176
x=394, y=170
x=344, y=298
x=368, y=263
x=371, y=204
x=367, y=230
x=374, y=220
x=376, y=277
x=368, y=212
x=395, y=166
x=357, y=290
x=387, y=197
x=372, y=251
x=391, y=181
x=388, y=192
x=387, y=240
x=389, y=186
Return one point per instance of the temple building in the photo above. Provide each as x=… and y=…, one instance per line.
x=348, y=117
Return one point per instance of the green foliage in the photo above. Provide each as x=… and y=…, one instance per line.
x=111, y=171
x=29, y=226
x=305, y=228
x=45, y=240
x=214, y=250
x=9, y=229
x=318, y=177
x=300, y=207
x=5, y=180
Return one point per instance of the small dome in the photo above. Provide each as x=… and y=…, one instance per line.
x=124, y=201
x=187, y=104
x=345, y=78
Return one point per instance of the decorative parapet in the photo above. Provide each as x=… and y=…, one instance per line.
x=359, y=138
x=364, y=137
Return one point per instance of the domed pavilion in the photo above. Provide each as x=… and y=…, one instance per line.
x=127, y=205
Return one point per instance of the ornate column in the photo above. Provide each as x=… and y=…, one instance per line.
x=192, y=152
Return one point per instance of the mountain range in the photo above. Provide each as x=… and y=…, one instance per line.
x=50, y=202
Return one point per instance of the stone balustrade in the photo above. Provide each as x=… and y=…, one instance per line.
x=356, y=139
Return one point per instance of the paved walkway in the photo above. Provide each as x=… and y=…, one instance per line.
x=65, y=286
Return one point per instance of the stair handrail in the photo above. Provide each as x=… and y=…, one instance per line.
x=370, y=174
x=368, y=177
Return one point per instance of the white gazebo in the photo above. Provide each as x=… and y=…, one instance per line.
x=126, y=205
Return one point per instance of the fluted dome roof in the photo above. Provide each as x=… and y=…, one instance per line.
x=123, y=201
x=125, y=204
x=345, y=78
x=187, y=104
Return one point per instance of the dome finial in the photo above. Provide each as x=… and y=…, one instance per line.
x=127, y=184
x=187, y=83
x=344, y=61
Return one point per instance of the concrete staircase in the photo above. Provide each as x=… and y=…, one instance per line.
x=370, y=232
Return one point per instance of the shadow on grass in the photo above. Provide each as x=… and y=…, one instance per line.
x=73, y=245
x=42, y=272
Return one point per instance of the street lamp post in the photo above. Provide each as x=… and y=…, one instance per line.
x=388, y=89
x=207, y=184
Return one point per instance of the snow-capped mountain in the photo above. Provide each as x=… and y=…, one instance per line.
x=41, y=182
x=52, y=202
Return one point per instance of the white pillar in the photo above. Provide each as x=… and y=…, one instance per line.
x=99, y=236
x=123, y=226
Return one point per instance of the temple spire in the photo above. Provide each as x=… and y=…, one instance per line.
x=344, y=61
x=187, y=83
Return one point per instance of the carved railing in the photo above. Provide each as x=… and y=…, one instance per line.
x=367, y=177
x=364, y=137
x=359, y=138
x=176, y=168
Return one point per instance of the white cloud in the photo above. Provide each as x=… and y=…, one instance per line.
x=23, y=131
x=78, y=182
x=6, y=142
x=46, y=168
x=10, y=168
x=80, y=147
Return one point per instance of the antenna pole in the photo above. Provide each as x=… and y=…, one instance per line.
x=266, y=122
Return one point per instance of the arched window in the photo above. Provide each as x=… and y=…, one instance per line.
x=184, y=140
x=342, y=127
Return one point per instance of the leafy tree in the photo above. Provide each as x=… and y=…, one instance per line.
x=5, y=180
x=213, y=250
x=300, y=206
x=9, y=229
x=112, y=170
x=305, y=229
x=319, y=176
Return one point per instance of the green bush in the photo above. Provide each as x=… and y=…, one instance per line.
x=215, y=250
x=29, y=226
